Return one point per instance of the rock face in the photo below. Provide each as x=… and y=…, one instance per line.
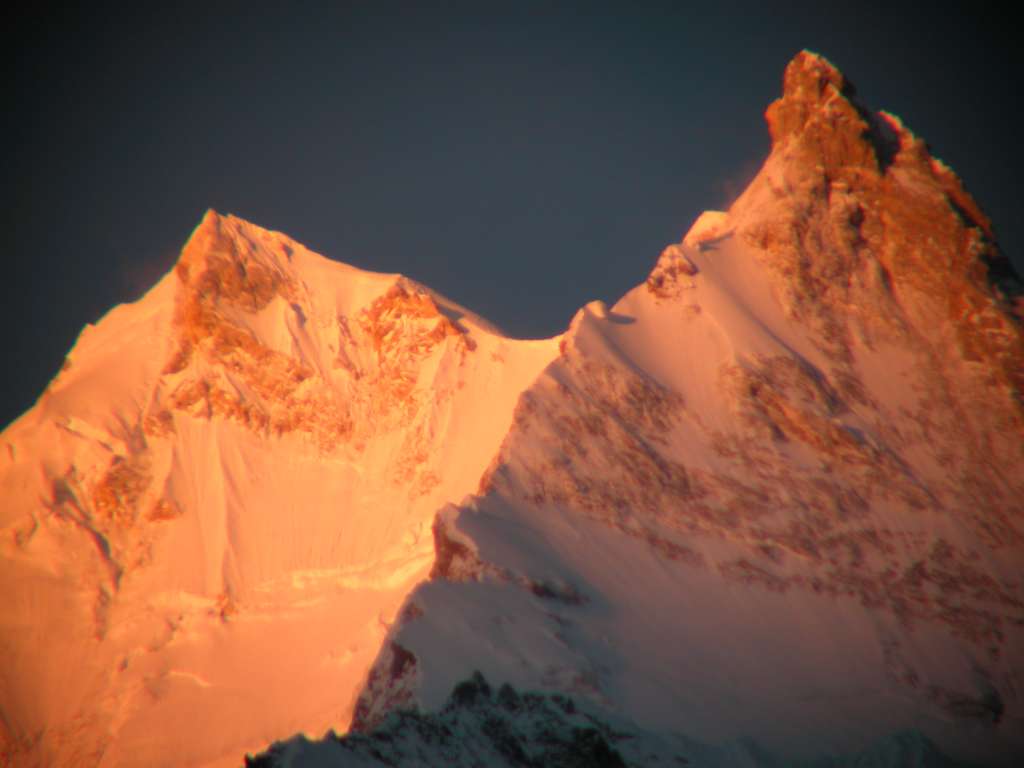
x=771, y=503
x=854, y=212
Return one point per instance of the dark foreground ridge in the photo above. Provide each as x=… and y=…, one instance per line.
x=479, y=726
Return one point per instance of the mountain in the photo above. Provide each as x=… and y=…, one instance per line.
x=767, y=507
x=254, y=450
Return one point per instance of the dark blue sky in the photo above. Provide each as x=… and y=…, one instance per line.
x=522, y=159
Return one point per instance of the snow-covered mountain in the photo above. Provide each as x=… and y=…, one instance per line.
x=219, y=504
x=768, y=506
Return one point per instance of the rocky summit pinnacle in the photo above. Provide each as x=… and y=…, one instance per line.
x=816, y=111
x=766, y=508
x=859, y=218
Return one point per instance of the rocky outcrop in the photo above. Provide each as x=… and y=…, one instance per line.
x=508, y=728
x=872, y=236
x=230, y=272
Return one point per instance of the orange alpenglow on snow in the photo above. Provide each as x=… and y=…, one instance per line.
x=769, y=503
x=220, y=502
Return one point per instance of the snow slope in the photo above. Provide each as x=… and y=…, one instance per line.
x=212, y=514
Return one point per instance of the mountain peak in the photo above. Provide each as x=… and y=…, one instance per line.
x=811, y=79
x=817, y=114
x=820, y=120
x=857, y=218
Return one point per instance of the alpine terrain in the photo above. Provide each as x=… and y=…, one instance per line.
x=768, y=507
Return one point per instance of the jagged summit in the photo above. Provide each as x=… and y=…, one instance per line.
x=820, y=118
x=815, y=109
x=854, y=212
x=770, y=498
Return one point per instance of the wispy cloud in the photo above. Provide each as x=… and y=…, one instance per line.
x=727, y=188
x=141, y=272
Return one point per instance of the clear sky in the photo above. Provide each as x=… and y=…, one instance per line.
x=521, y=158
